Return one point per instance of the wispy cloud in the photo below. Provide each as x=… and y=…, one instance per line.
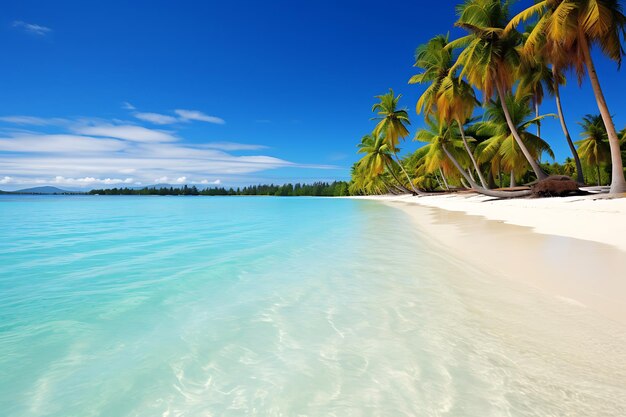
x=41, y=143
x=156, y=118
x=127, y=132
x=32, y=28
x=34, y=121
x=233, y=146
x=188, y=115
x=180, y=115
x=91, y=181
x=89, y=152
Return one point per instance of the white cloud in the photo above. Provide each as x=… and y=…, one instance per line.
x=127, y=132
x=59, y=144
x=187, y=115
x=233, y=146
x=91, y=181
x=34, y=121
x=107, y=152
x=32, y=28
x=206, y=182
x=156, y=118
x=127, y=106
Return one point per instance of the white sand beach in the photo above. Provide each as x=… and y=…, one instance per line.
x=572, y=248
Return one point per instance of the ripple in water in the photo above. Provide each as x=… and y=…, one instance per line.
x=277, y=307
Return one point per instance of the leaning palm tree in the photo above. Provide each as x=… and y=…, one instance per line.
x=392, y=125
x=567, y=29
x=443, y=151
x=447, y=96
x=536, y=79
x=489, y=57
x=558, y=80
x=377, y=158
x=501, y=148
x=456, y=102
x=594, y=146
x=435, y=62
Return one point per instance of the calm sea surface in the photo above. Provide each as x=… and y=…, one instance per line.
x=183, y=306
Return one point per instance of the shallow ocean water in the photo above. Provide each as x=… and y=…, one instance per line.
x=200, y=306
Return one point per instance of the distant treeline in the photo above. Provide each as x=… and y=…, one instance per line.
x=322, y=189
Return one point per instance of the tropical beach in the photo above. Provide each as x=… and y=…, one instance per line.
x=313, y=209
x=539, y=232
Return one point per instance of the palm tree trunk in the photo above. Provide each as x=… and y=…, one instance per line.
x=458, y=166
x=390, y=187
x=395, y=177
x=580, y=176
x=491, y=180
x=471, y=155
x=534, y=165
x=478, y=188
x=618, y=182
x=538, y=123
x=407, y=174
x=512, y=184
x=443, y=177
x=598, y=172
x=439, y=182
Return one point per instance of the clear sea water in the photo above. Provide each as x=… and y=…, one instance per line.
x=200, y=306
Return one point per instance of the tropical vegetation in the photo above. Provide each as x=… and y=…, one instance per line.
x=322, y=189
x=481, y=103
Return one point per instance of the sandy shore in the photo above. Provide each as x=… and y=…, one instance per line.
x=576, y=253
x=599, y=220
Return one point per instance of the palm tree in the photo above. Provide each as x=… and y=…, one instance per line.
x=536, y=79
x=447, y=96
x=392, y=125
x=490, y=57
x=443, y=150
x=363, y=184
x=456, y=102
x=594, y=147
x=435, y=61
x=560, y=79
x=501, y=148
x=568, y=29
x=377, y=158
x=570, y=167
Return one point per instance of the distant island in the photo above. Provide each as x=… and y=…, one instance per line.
x=42, y=190
x=319, y=189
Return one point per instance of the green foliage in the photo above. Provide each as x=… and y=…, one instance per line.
x=321, y=189
x=513, y=71
x=593, y=148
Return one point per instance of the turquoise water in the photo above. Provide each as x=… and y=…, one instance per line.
x=173, y=306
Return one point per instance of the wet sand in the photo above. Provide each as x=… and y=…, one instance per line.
x=583, y=273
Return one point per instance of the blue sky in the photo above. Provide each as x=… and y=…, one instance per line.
x=232, y=93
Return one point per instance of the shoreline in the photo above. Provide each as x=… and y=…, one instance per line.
x=592, y=218
x=533, y=242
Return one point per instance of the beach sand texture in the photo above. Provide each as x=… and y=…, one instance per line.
x=576, y=253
